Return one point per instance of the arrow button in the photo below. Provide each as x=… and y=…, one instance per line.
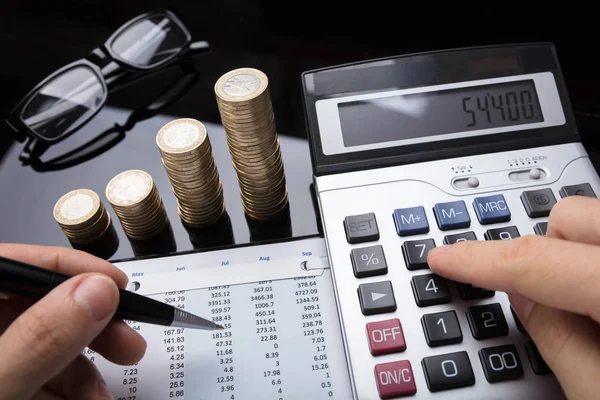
x=376, y=298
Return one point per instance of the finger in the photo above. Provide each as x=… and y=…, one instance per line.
x=568, y=343
x=51, y=333
x=554, y=272
x=61, y=259
x=11, y=308
x=120, y=344
x=80, y=380
x=576, y=218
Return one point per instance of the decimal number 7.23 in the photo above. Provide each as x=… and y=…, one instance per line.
x=507, y=107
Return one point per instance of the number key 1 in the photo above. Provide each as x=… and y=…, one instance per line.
x=430, y=289
x=441, y=328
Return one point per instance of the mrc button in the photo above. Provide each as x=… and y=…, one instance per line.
x=491, y=209
x=386, y=337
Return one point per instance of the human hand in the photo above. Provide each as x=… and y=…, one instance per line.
x=42, y=343
x=553, y=284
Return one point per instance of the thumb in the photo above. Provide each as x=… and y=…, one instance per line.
x=46, y=338
x=568, y=343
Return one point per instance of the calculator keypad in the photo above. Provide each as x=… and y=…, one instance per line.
x=415, y=253
x=584, y=189
x=480, y=312
x=448, y=371
x=441, y=328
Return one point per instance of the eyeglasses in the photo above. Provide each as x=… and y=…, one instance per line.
x=70, y=97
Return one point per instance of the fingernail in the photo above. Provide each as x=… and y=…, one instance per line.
x=103, y=391
x=522, y=305
x=97, y=294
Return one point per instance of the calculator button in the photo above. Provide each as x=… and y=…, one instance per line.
x=541, y=228
x=441, y=328
x=386, y=337
x=583, y=189
x=466, y=291
x=459, y=237
x=376, y=298
x=452, y=215
x=410, y=221
x=491, y=209
x=430, y=289
x=368, y=261
x=487, y=321
x=501, y=363
x=448, y=371
x=538, y=203
x=415, y=253
x=520, y=326
x=506, y=233
x=536, y=360
x=361, y=228
x=395, y=379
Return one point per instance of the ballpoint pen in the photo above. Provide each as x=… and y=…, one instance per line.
x=27, y=280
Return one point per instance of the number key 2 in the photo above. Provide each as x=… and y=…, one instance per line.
x=430, y=289
x=487, y=321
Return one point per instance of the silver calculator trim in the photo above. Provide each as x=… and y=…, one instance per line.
x=331, y=130
x=381, y=191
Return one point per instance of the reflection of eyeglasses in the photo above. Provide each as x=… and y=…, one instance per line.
x=68, y=98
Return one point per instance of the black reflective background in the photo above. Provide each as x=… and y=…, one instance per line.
x=283, y=39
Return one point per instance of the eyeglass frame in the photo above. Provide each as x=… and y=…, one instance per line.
x=99, y=58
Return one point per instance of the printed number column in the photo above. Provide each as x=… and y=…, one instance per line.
x=220, y=309
x=174, y=344
x=307, y=299
x=263, y=300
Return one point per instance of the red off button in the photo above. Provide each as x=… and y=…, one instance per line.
x=386, y=337
x=395, y=379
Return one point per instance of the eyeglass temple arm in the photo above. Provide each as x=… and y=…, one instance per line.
x=200, y=46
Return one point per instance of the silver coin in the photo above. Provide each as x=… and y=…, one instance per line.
x=129, y=187
x=241, y=85
x=181, y=135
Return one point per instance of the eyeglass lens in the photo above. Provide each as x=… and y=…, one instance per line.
x=150, y=41
x=64, y=102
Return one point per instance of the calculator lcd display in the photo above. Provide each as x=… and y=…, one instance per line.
x=432, y=113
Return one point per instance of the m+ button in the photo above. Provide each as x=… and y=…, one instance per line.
x=410, y=221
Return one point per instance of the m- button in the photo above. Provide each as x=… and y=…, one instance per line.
x=395, y=379
x=386, y=337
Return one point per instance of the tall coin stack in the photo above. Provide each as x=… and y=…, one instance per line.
x=187, y=157
x=137, y=203
x=246, y=113
x=82, y=216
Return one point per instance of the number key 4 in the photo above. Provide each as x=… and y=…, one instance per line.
x=430, y=289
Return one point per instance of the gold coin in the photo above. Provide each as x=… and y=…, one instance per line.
x=241, y=85
x=181, y=136
x=76, y=207
x=129, y=187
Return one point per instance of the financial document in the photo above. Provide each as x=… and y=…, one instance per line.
x=282, y=338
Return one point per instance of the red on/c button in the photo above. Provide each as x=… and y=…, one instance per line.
x=395, y=379
x=386, y=337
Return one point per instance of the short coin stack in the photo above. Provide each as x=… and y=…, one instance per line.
x=246, y=113
x=137, y=203
x=82, y=216
x=187, y=157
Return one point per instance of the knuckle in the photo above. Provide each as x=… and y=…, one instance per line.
x=43, y=337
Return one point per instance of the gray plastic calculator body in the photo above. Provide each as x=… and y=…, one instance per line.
x=395, y=176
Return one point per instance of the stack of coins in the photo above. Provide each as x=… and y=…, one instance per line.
x=246, y=113
x=137, y=203
x=82, y=216
x=187, y=157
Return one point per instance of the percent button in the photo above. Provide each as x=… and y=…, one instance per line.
x=368, y=261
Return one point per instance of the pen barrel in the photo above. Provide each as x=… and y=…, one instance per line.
x=138, y=308
x=27, y=280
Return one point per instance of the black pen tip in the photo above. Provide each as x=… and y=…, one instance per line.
x=219, y=327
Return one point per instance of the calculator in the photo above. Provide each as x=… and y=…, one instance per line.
x=421, y=150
